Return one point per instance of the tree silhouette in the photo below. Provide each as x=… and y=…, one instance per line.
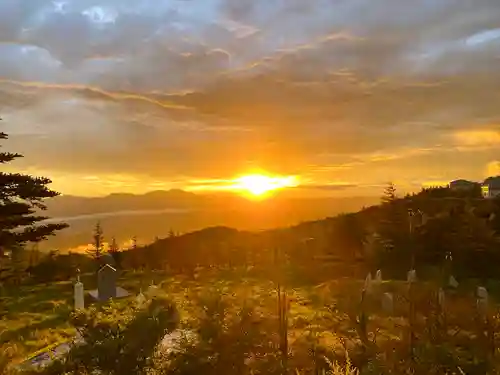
x=393, y=230
x=98, y=246
x=113, y=246
x=21, y=199
x=389, y=193
x=114, y=251
x=134, y=256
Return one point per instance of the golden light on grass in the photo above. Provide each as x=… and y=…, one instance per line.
x=260, y=185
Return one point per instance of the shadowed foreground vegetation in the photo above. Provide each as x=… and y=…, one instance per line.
x=239, y=329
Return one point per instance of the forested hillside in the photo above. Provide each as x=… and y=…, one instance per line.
x=431, y=230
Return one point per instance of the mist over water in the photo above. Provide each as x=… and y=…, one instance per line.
x=102, y=215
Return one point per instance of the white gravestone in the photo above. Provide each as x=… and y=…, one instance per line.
x=452, y=282
x=378, y=276
x=368, y=283
x=482, y=293
x=79, y=295
x=412, y=276
x=482, y=298
x=388, y=303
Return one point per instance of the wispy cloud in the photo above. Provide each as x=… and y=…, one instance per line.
x=484, y=137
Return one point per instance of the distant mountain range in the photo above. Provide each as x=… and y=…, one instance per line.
x=154, y=214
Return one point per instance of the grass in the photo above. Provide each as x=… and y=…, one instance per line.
x=34, y=317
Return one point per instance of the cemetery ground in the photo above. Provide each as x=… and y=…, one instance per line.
x=329, y=315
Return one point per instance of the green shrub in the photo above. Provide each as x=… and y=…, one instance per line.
x=117, y=340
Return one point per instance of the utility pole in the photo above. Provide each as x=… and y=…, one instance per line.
x=412, y=215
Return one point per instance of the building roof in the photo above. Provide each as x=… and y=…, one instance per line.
x=106, y=266
x=493, y=182
x=464, y=182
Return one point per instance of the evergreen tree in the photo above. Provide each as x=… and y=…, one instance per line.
x=98, y=246
x=21, y=199
x=393, y=228
x=113, y=246
x=389, y=193
x=135, y=260
x=114, y=251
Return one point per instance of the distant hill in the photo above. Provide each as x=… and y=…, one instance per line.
x=154, y=214
x=425, y=227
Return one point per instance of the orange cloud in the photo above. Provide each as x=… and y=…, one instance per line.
x=481, y=138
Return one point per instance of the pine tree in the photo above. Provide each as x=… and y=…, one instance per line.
x=98, y=246
x=113, y=246
x=21, y=199
x=114, y=251
x=393, y=229
x=389, y=193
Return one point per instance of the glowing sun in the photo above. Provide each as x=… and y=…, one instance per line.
x=257, y=185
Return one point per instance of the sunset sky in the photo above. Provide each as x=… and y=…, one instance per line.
x=130, y=96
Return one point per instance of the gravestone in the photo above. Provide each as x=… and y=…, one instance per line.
x=482, y=299
x=108, y=259
x=368, y=283
x=412, y=276
x=106, y=283
x=452, y=282
x=79, y=294
x=482, y=293
x=378, y=276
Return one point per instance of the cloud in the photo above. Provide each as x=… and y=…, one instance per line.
x=493, y=168
x=172, y=89
x=485, y=137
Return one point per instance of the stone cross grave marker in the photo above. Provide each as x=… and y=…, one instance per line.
x=106, y=283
